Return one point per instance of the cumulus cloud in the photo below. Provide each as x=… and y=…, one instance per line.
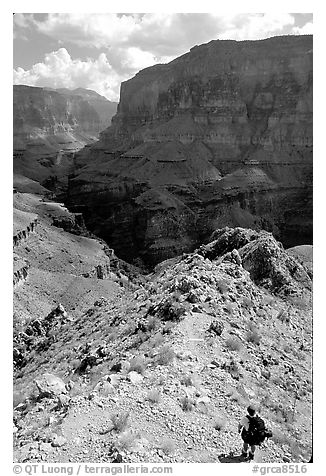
x=126, y=43
x=59, y=70
x=162, y=34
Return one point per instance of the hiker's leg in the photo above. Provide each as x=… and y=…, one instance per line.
x=245, y=448
x=252, y=451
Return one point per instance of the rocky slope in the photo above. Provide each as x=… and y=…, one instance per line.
x=164, y=372
x=220, y=136
x=50, y=125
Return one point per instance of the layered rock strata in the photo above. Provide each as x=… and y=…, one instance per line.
x=220, y=136
x=51, y=125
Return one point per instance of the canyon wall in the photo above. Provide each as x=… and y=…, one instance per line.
x=51, y=125
x=220, y=136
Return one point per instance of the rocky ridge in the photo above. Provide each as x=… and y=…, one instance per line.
x=221, y=136
x=163, y=372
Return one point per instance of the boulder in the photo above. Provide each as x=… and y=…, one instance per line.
x=135, y=377
x=58, y=440
x=216, y=327
x=50, y=385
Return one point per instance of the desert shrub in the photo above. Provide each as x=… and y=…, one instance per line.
x=216, y=327
x=219, y=424
x=18, y=398
x=229, y=308
x=246, y=302
x=171, y=310
x=187, y=380
x=126, y=441
x=187, y=404
x=233, y=394
x=138, y=364
x=165, y=356
x=253, y=337
x=152, y=323
x=119, y=421
x=154, y=395
x=167, y=446
x=222, y=287
x=233, y=344
x=168, y=326
x=156, y=341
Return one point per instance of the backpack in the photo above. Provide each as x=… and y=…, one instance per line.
x=256, y=432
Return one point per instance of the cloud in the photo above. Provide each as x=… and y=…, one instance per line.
x=60, y=70
x=126, y=43
x=306, y=29
x=161, y=34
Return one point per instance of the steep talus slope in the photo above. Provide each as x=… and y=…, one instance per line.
x=220, y=136
x=163, y=373
x=56, y=260
x=50, y=126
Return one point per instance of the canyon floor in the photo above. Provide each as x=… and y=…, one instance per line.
x=112, y=366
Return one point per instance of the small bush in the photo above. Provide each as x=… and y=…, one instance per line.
x=154, y=396
x=187, y=380
x=246, y=302
x=126, y=441
x=165, y=356
x=120, y=421
x=168, y=446
x=253, y=337
x=152, y=323
x=229, y=308
x=187, y=404
x=219, y=424
x=156, y=341
x=138, y=364
x=18, y=398
x=222, y=287
x=171, y=310
x=233, y=344
x=167, y=329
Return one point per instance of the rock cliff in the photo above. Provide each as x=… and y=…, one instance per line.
x=221, y=136
x=50, y=125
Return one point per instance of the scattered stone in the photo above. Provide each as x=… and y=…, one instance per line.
x=58, y=441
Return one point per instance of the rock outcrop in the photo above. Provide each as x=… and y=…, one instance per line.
x=220, y=136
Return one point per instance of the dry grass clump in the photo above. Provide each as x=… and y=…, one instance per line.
x=18, y=398
x=187, y=404
x=120, y=421
x=233, y=344
x=187, y=380
x=138, y=364
x=154, y=395
x=167, y=446
x=253, y=337
x=165, y=356
x=152, y=323
x=222, y=287
x=233, y=394
x=126, y=441
x=219, y=424
x=246, y=302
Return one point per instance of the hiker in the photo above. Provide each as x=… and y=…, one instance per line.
x=253, y=432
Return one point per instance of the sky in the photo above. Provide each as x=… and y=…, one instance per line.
x=100, y=50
